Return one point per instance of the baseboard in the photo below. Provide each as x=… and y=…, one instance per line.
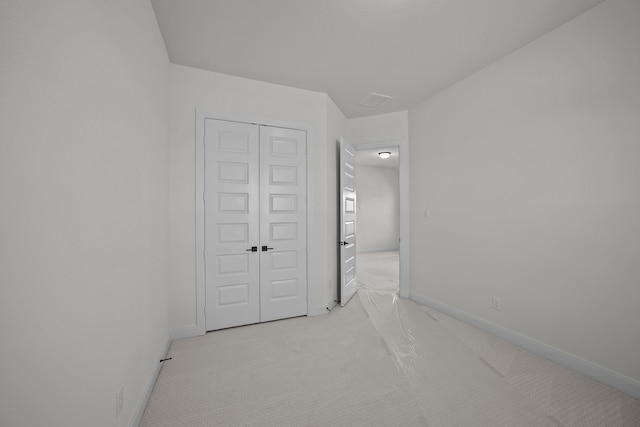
x=599, y=373
x=189, y=331
x=186, y=331
x=317, y=310
x=142, y=403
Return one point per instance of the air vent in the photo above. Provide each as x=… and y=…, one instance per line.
x=375, y=100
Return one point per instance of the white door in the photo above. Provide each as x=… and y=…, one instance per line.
x=347, y=222
x=283, y=223
x=255, y=224
x=232, y=224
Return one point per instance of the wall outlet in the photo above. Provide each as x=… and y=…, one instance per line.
x=119, y=401
x=496, y=303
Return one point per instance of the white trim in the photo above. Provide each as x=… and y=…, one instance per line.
x=142, y=403
x=185, y=331
x=252, y=120
x=200, y=264
x=403, y=184
x=317, y=310
x=599, y=373
x=201, y=115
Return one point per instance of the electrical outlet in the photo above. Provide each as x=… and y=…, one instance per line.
x=496, y=303
x=119, y=401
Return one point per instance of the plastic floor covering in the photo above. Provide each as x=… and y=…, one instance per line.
x=379, y=361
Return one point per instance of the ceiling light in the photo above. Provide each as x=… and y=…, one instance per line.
x=384, y=154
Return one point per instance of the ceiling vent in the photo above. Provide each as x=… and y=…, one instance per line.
x=375, y=100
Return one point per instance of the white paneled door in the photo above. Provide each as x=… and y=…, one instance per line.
x=255, y=223
x=347, y=222
x=283, y=223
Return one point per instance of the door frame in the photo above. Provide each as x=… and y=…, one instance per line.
x=403, y=184
x=201, y=116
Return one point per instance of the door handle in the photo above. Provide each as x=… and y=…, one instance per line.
x=252, y=249
x=342, y=243
x=265, y=249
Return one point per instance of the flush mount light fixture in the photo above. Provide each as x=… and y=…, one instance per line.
x=384, y=154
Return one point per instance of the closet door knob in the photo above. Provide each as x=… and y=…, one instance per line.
x=265, y=249
x=252, y=249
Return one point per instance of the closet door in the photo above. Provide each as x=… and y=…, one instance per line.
x=255, y=223
x=283, y=223
x=232, y=224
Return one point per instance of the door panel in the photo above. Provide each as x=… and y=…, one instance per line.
x=231, y=224
x=255, y=197
x=283, y=263
x=347, y=222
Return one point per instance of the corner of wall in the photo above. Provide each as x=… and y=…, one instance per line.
x=151, y=382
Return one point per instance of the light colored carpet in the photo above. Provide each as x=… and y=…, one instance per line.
x=379, y=361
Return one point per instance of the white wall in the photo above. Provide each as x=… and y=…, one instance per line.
x=336, y=129
x=378, y=213
x=233, y=97
x=379, y=128
x=531, y=171
x=83, y=211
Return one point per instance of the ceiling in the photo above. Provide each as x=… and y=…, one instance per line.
x=406, y=49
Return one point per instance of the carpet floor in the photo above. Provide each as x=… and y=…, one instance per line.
x=379, y=361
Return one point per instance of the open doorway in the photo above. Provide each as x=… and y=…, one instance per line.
x=378, y=218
